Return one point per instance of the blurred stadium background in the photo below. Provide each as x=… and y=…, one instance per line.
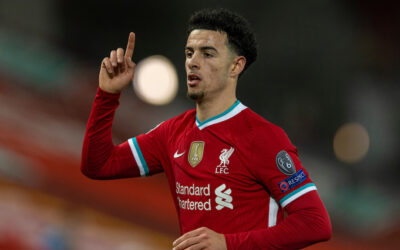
x=328, y=73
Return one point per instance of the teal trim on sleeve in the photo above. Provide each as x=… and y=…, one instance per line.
x=296, y=192
x=145, y=167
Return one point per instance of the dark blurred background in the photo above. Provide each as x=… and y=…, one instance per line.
x=328, y=73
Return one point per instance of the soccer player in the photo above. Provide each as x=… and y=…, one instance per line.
x=232, y=173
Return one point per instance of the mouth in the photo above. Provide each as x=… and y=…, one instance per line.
x=193, y=79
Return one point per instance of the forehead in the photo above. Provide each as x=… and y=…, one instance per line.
x=201, y=38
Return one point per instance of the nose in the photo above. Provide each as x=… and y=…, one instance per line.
x=193, y=62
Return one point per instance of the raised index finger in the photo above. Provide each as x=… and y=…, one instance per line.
x=130, y=47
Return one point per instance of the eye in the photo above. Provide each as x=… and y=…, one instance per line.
x=189, y=54
x=207, y=54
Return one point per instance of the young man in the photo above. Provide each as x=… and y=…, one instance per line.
x=231, y=173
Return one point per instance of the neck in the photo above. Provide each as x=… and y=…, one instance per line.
x=206, y=109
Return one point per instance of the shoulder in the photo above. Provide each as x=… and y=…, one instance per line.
x=183, y=119
x=177, y=122
x=263, y=132
x=262, y=126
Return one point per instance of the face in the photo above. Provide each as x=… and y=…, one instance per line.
x=208, y=63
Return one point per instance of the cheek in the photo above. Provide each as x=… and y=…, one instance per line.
x=220, y=72
x=213, y=75
x=186, y=65
x=215, y=69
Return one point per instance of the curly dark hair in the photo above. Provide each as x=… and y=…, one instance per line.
x=241, y=38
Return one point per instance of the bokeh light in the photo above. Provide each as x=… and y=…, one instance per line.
x=156, y=80
x=351, y=142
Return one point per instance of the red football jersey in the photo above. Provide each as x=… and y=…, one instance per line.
x=232, y=173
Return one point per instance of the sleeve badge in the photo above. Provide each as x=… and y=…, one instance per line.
x=285, y=163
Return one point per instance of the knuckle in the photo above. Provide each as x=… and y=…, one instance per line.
x=181, y=246
x=206, y=236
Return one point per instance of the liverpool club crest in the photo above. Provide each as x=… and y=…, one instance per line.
x=222, y=168
x=196, y=153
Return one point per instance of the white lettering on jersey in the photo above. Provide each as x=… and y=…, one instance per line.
x=194, y=205
x=223, y=198
x=193, y=190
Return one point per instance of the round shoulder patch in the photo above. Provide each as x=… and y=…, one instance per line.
x=285, y=163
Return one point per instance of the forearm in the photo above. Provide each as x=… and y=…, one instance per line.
x=307, y=223
x=100, y=158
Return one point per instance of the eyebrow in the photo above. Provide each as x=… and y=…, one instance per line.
x=203, y=48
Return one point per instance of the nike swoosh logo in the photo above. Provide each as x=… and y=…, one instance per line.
x=176, y=155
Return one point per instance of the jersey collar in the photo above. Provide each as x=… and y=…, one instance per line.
x=235, y=109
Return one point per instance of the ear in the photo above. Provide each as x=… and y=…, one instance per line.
x=238, y=66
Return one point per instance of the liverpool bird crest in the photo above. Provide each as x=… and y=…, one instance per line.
x=224, y=157
x=196, y=153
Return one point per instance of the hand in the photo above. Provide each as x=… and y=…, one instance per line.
x=201, y=238
x=117, y=71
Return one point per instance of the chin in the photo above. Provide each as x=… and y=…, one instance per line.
x=195, y=95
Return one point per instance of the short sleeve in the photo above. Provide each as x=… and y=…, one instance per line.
x=148, y=150
x=278, y=167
